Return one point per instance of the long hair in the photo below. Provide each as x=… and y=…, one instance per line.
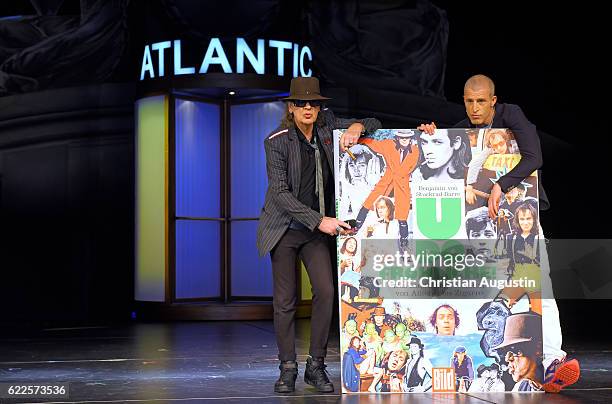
x=344, y=250
x=388, y=203
x=527, y=207
x=459, y=160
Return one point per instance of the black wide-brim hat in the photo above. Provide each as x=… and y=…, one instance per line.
x=521, y=328
x=306, y=89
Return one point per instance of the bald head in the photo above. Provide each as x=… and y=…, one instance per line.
x=480, y=82
x=479, y=99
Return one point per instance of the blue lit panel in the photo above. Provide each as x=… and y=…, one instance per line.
x=198, y=262
x=198, y=136
x=250, y=124
x=251, y=275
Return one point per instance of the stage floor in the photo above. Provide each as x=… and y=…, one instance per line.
x=226, y=362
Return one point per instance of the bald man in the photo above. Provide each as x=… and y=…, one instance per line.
x=483, y=111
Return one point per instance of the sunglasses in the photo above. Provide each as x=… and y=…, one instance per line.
x=511, y=355
x=302, y=103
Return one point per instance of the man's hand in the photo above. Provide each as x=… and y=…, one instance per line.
x=470, y=196
x=332, y=226
x=350, y=137
x=494, y=199
x=428, y=128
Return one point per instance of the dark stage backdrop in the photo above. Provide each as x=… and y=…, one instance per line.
x=67, y=75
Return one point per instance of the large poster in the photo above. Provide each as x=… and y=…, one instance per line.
x=434, y=295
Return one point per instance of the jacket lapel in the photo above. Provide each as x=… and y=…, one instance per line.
x=294, y=162
x=328, y=144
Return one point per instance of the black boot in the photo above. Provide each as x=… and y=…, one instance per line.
x=316, y=375
x=286, y=380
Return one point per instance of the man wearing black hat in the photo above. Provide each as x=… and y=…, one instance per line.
x=494, y=384
x=521, y=349
x=417, y=377
x=298, y=219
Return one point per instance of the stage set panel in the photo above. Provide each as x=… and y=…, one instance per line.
x=201, y=181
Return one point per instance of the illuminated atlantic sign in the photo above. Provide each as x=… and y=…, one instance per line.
x=162, y=59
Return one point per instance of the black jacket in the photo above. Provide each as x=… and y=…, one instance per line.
x=511, y=116
x=283, y=163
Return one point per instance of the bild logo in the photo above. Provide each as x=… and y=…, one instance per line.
x=443, y=380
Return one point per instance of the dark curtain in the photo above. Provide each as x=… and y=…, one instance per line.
x=51, y=51
x=387, y=45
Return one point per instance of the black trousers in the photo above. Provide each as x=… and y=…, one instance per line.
x=313, y=249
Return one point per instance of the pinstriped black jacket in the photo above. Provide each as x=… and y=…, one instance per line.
x=283, y=164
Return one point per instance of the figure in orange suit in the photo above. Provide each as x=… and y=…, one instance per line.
x=401, y=156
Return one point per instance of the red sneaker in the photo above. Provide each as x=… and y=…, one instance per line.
x=560, y=374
